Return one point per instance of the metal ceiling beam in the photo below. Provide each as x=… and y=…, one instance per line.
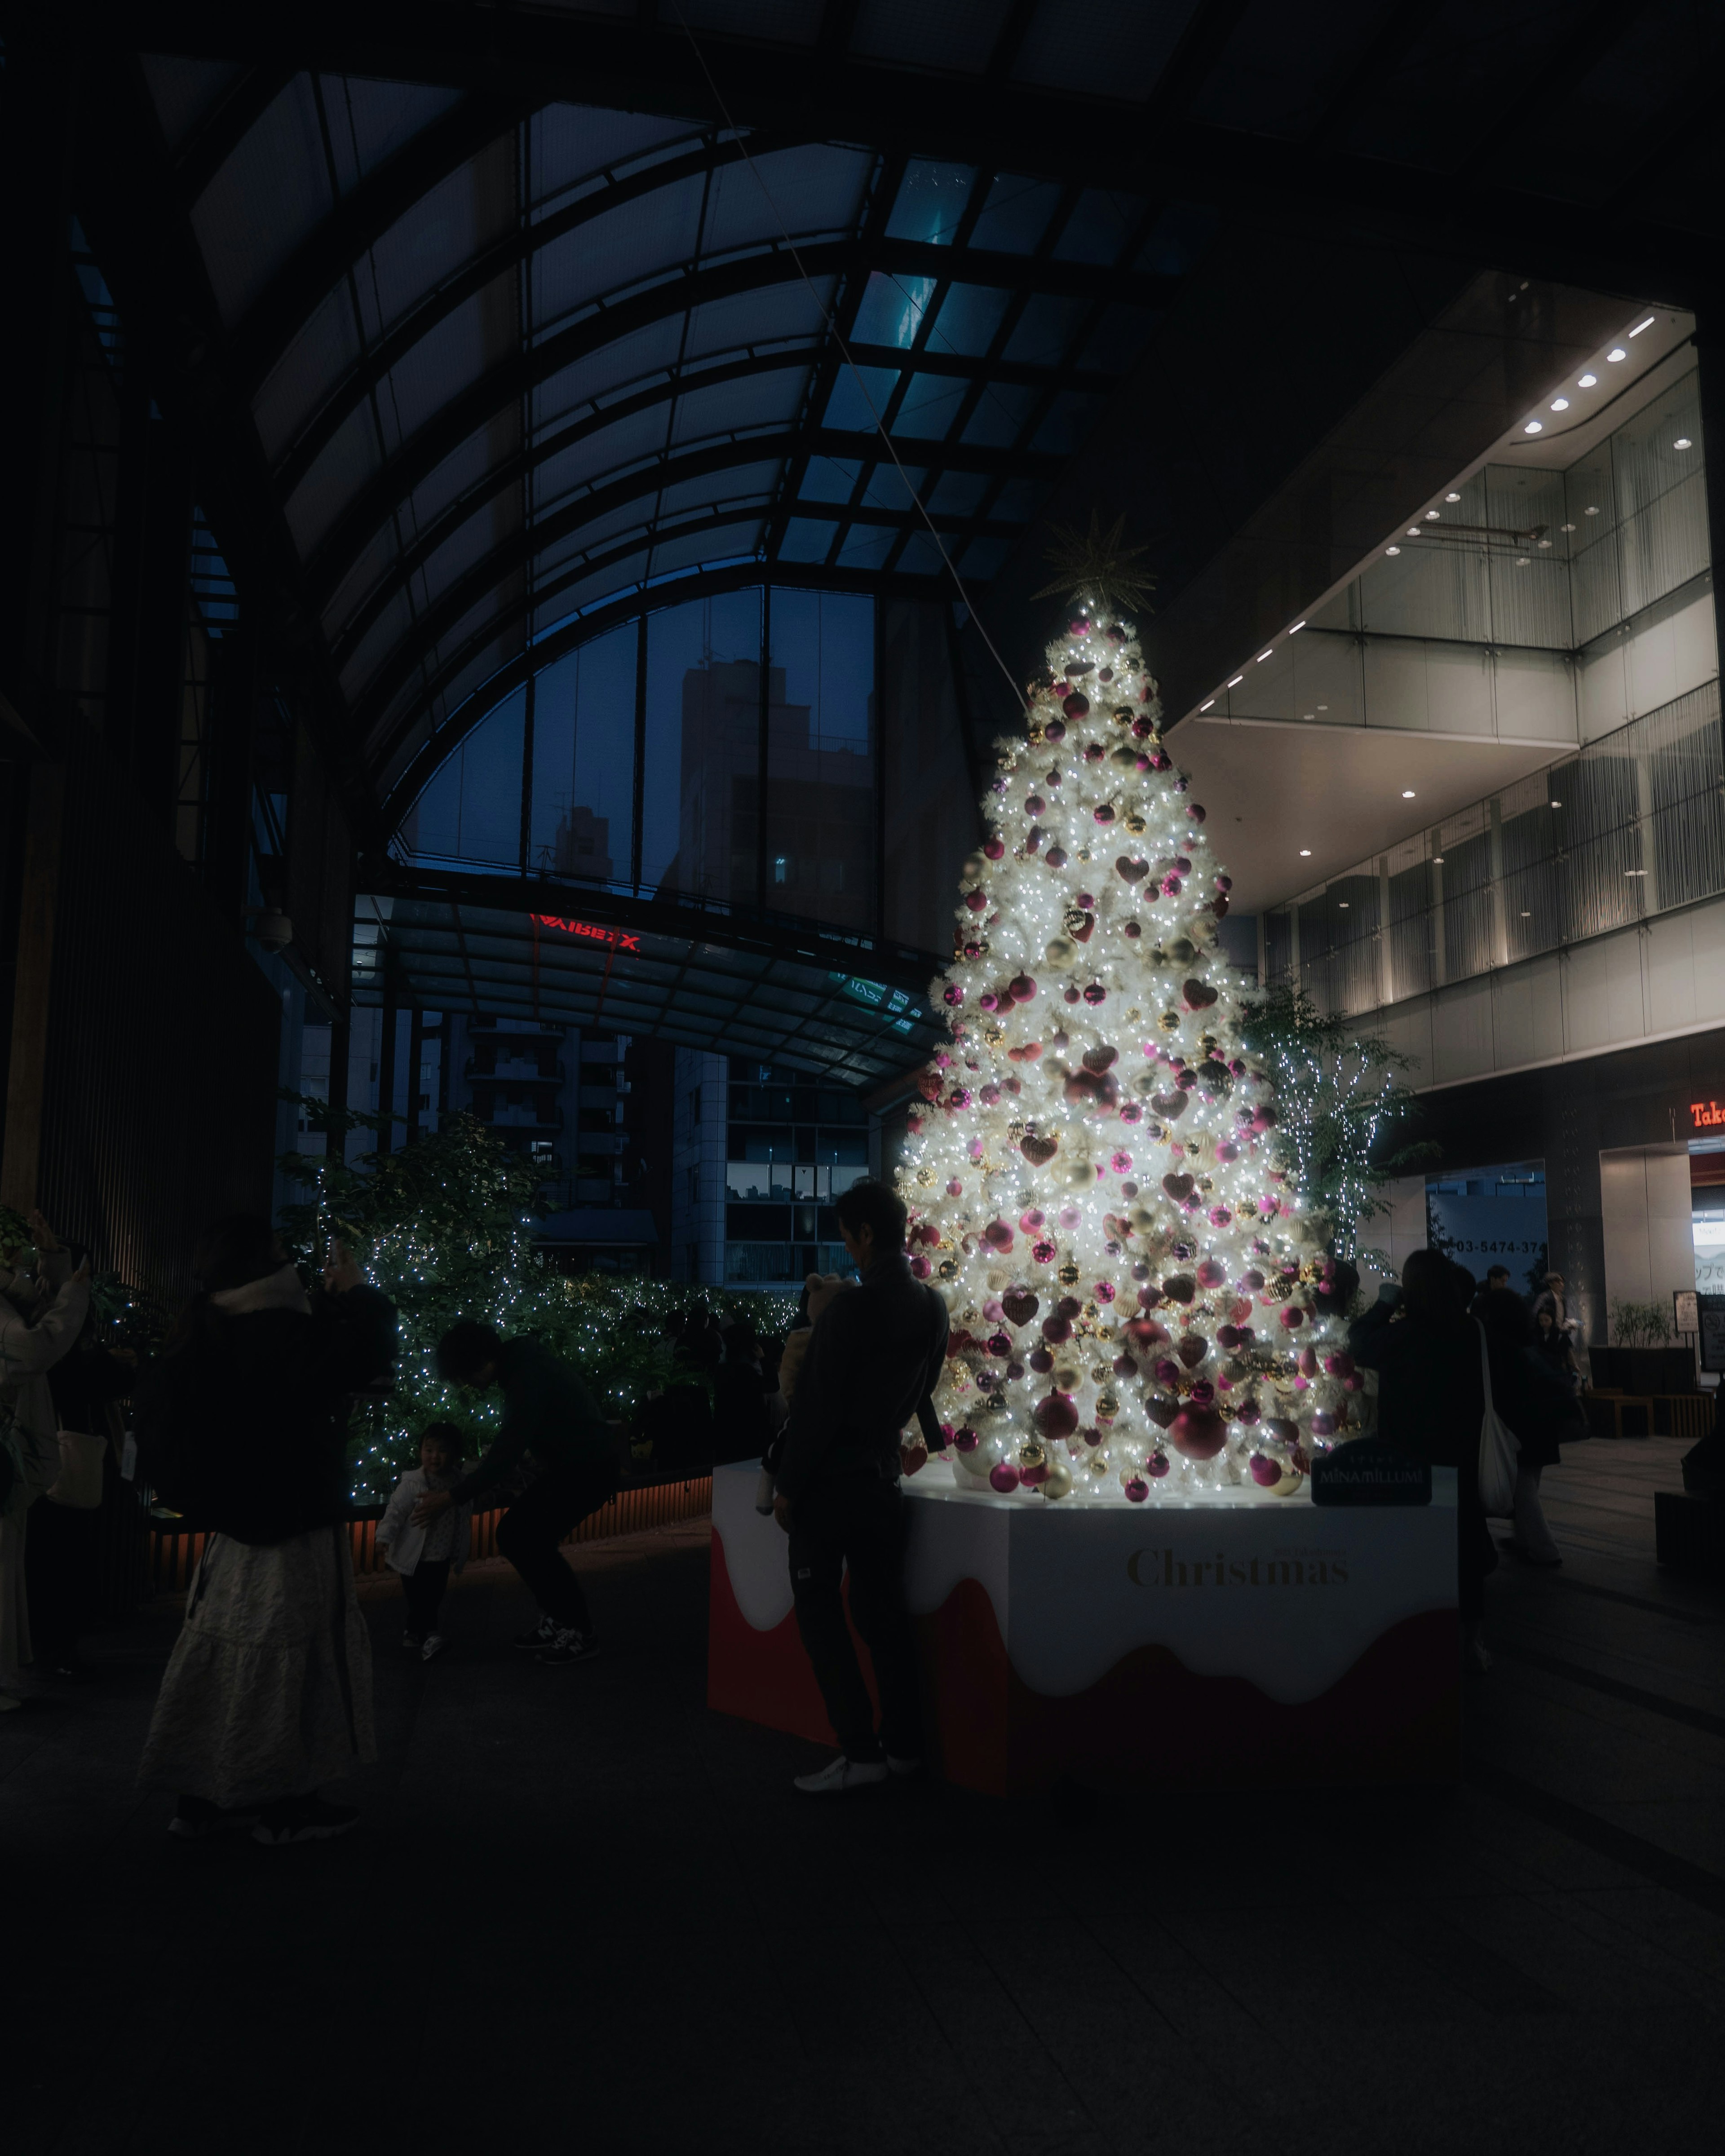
x=221, y=131
x=641, y=481
x=511, y=471
x=973, y=265
x=132, y=208
x=359, y=221
x=517, y=376
x=627, y=607
x=1477, y=213
x=520, y=548
x=684, y=918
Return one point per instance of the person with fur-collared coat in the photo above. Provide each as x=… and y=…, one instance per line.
x=40, y=1318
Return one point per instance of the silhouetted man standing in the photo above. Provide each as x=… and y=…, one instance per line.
x=870, y=1367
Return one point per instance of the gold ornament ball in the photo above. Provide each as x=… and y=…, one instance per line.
x=925, y=1175
x=1057, y=1483
x=1068, y=1274
x=1169, y=1021
x=1031, y=1454
x=1098, y=1373
x=948, y=1269
x=1135, y=824
x=1067, y=1377
x=1074, y=919
x=1060, y=952
x=1107, y=1407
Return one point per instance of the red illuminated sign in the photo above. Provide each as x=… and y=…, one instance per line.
x=616, y=938
x=1707, y=1115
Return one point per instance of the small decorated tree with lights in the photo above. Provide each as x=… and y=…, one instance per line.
x=1134, y=1284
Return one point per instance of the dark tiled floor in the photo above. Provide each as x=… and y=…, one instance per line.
x=583, y=1912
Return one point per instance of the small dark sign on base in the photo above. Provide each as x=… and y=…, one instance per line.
x=1370, y=1472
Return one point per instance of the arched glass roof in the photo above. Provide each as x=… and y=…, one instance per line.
x=509, y=364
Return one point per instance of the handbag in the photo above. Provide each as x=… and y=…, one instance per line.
x=79, y=1483
x=1500, y=1448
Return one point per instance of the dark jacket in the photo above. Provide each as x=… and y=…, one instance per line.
x=740, y=1424
x=1535, y=1401
x=870, y=1367
x=1430, y=1397
x=548, y=1412
x=251, y=1410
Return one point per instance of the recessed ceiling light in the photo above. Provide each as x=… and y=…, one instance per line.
x=1566, y=527
x=1296, y=628
x=1413, y=531
x=1306, y=853
x=1432, y=516
x=1452, y=497
x=1616, y=353
x=1635, y=872
x=1392, y=550
x=1236, y=681
x=1534, y=427
x=1683, y=441
x=1407, y=793
x=1205, y=707
x=1262, y=656
x=1545, y=543
x=1525, y=916
x=1342, y=903
x=1588, y=381
x=1308, y=715
x=1556, y=804
x=1437, y=861
x=1640, y=326
x=1590, y=512
x=1560, y=403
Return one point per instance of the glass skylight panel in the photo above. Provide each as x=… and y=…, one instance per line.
x=891, y=308
x=1016, y=214
x=969, y=316
x=932, y=198
x=931, y=404
x=830, y=479
x=848, y=407
x=1042, y=332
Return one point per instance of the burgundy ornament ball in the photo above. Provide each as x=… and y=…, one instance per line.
x=1198, y=1432
x=1056, y=1416
x=1137, y=1490
x=1003, y=1476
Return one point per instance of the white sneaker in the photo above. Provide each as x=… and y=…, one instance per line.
x=905, y=1767
x=433, y=1646
x=841, y=1775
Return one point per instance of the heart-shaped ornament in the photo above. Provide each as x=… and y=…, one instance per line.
x=1171, y=1107
x=1134, y=871
x=1200, y=995
x=1019, y=1304
x=1181, y=1287
x=1039, y=1151
x=1100, y=1059
x=1193, y=1349
x=1179, y=1187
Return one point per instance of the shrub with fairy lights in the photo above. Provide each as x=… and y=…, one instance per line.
x=445, y=1227
x=1135, y=1281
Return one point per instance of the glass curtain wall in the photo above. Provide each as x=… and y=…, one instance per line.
x=730, y=749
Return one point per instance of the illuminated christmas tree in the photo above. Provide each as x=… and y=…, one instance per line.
x=1132, y=1282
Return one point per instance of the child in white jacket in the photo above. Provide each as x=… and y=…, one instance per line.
x=425, y=1557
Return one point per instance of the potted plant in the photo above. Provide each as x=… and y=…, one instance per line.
x=1640, y=1358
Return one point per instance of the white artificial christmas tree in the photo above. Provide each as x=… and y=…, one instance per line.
x=1091, y=1175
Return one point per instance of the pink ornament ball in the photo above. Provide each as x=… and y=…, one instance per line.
x=1079, y=625
x=1248, y=1412
x=1057, y=857
x=1266, y=1473
x=1157, y=1465
x=952, y=994
x=1292, y=1316
x=1137, y=1490
x=1339, y=1365
x=955, y=1188
x=1323, y=1424
x=920, y=1267
x=1212, y=1273
x=1003, y=1476
x=1076, y=706
x=1198, y=1432
x=1056, y=1416
x=1030, y=1476
x=994, y=849
x=966, y=1440
x=1021, y=987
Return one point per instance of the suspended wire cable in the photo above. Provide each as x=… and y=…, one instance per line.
x=831, y=319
